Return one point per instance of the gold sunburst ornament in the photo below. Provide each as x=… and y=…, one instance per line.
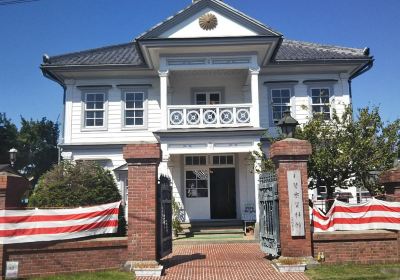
x=208, y=21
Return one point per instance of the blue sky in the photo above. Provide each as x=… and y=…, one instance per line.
x=27, y=31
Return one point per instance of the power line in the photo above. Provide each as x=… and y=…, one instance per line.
x=15, y=2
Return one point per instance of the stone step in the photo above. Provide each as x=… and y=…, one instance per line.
x=219, y=230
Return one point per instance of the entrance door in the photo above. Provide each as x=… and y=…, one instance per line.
x=222, y=193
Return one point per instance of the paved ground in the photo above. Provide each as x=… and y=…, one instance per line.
x=221, y=262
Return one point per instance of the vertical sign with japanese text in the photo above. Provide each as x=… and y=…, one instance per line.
x=295, y=203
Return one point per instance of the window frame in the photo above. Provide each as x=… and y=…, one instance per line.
x=289, y=104
x=85, y=90
x=208, y=91
x=193, y=169
x=283, y=86
x=320, y=86
x=124, y=91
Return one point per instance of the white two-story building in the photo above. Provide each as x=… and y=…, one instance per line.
x=206, y=83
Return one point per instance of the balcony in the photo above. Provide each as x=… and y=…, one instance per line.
x=209, y=116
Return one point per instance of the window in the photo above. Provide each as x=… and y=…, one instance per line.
x=207, y=98
x=94, y=109
x=196, y=183
x=223, y=160
x=134, y=108
x=280, y=100
x=320, y=102
x=195, y=160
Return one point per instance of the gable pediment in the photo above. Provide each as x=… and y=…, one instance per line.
x=230, y=23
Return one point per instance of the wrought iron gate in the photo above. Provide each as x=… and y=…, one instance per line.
x=164, y=216
x=269, y=214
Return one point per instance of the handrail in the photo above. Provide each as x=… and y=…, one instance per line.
x=209, y=106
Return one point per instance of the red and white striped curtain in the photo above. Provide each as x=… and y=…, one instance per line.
x=21, y=226
x=374, y=214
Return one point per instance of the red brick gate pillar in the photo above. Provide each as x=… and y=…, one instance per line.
x=391, y=180
x=290, y=157
x=143, y=160
x=12, y=189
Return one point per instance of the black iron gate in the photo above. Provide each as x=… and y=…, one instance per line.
x=269, y=214
x=164, y=216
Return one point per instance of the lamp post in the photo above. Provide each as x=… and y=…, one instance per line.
x=13, y=156
x=288, y=125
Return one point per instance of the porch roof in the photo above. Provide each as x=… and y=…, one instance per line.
x=213, y=132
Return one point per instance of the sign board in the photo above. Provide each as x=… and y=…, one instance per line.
x=11, y=270
x=295, y=203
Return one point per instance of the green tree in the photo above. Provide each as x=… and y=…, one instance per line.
x=73, y=185
x=8, y=138
x=330, y=163
x=37, y=147
x=372, y=145
x=350, y=152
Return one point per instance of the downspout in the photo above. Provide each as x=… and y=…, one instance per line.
x=359, y=72
x=52, y=77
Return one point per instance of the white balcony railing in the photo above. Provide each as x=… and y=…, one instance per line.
x=204, y=116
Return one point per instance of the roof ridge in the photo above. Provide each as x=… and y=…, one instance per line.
x=91, y=50
x=311, y=44
x=165, y=20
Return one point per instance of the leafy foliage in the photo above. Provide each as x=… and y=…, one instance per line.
x=74, y=185
x=36, y=142
x=176, y=223
x=259, y=160
x=350, y=152
x=346, y=151
x=330, y=163
x=8, y=136
x=37, y=147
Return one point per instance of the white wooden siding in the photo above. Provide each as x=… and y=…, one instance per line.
x=115, y=133
x=301, y=101
x=180, y=94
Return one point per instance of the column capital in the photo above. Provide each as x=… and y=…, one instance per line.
x=254, y=70
x=163, y=73
x=69, y=82
x=165, y=157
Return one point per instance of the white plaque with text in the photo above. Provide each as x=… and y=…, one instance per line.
x=295, y=203
x=11, y=270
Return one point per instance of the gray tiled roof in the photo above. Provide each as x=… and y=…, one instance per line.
x=117, y=54
x=128, y=54
x=291, y=50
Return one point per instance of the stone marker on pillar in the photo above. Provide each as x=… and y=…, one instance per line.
x=143, y=160
x=290, y=157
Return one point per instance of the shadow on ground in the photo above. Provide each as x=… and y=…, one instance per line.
x=180, y=259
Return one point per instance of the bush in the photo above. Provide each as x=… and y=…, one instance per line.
x=74, y=185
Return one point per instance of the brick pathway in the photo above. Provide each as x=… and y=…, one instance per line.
x=220, y=262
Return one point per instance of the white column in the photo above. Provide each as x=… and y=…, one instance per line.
x=255, y=110
x=163, y=166
x=164, y=97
